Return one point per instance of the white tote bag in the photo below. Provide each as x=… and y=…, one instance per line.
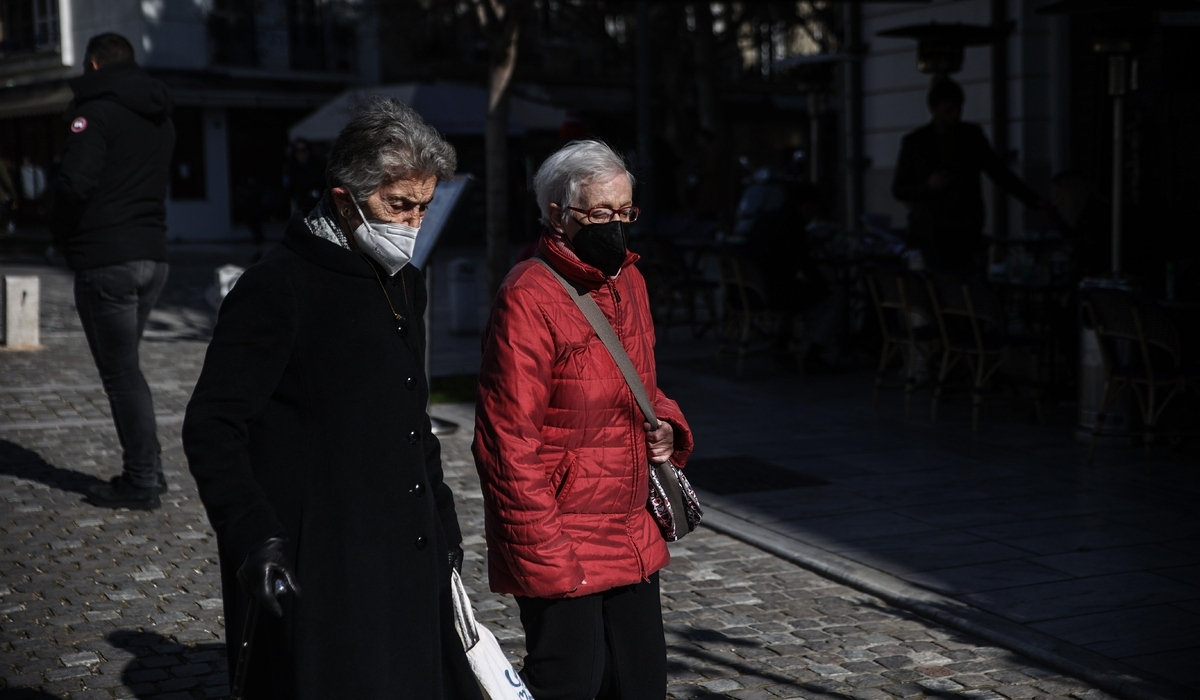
x=496, y=676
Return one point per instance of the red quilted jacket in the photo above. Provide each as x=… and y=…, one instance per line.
x=559, y=441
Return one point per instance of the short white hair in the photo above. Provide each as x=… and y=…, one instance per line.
x=576, y=164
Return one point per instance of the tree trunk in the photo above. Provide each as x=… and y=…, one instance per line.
x=704, y=48
x=503, y=40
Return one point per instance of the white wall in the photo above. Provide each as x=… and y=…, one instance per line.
x=175, y=34
x=207, y=219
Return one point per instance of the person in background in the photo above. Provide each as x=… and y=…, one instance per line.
x=33, y=185
x=780, y=246
x=938, y=177
x=562, y=448
x=9, y=200
x=109, y=219
x=308, y=437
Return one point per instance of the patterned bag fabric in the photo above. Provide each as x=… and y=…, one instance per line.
x=672, y=502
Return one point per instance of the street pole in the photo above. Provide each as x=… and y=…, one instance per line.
x=1000, y=112
x=853, y=111
x=1118, y=79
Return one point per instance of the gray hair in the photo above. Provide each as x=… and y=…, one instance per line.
x=383, y=142
x=576, y=164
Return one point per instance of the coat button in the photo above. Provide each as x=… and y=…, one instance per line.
x=418, y=490
x=420, y=543
x=413, y=438
x=410, y=383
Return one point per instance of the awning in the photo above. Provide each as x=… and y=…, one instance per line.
x=451, y=108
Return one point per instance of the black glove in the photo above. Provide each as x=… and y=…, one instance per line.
x=456, y=558
x=265, y=576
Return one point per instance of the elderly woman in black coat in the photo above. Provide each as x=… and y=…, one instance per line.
x=308, y=438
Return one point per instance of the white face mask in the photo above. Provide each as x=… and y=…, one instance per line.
x=391, y=245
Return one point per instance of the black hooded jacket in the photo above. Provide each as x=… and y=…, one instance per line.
x=109, y=193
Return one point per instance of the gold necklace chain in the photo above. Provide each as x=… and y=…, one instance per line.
x=403, y=285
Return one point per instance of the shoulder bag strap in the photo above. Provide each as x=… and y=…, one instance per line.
x=608, y=336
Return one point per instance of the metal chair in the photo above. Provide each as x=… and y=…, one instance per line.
x=900, y=305
x=675, y=286
x=974, y=330
x=747, y=314
x=1141, y=350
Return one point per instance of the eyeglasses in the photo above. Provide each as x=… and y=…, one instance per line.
x=603, y=215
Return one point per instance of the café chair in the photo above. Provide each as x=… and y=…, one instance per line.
x=676, y=288
x=1141, y=351
x=747, y=318
x=905, y=324
x=974, y=330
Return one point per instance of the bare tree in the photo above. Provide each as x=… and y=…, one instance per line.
x=501, y=24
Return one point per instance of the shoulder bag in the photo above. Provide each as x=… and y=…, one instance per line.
x=672, y=502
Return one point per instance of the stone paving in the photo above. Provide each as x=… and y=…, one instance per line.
x=117, y=604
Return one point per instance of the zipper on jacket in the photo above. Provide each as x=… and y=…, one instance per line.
x=613, y=286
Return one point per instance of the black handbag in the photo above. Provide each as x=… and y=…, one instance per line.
x=672, y=502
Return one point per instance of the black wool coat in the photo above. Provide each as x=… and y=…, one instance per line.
x=308, y=422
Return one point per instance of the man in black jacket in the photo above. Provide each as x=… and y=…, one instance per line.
x=937, y=176
x=109, y=220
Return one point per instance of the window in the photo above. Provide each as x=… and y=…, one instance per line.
x=231, y=33
x=321, y=35
x=28, y=26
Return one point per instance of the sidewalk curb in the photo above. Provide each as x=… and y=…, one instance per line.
x=1106, y=674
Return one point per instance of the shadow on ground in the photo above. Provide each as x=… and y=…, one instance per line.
x=711, y=652
x=25, y=694
x=26, y=464
x=161, y=665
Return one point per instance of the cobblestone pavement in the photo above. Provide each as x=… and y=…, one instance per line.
x=117, y=604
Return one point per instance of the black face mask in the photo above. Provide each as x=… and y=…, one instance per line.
x=602, y=245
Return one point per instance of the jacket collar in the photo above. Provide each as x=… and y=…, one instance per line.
x=558, y=252
x=323, y=253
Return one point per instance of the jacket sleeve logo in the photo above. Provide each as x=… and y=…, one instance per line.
x=78, y=125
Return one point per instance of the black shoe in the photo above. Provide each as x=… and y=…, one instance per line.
x=119, y=493
x=162, y=482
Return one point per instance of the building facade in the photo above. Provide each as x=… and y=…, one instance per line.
x=240, y=74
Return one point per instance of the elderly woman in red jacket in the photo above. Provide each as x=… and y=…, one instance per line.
x=562, y=447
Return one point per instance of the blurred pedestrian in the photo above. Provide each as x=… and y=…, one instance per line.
x=562, y=447
x=9, y=199
x=33, y=186
x=309, y=441
x=937, y=176
x=109, y=219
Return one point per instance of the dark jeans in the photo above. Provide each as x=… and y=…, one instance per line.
x=607, y=646
x=113, y=303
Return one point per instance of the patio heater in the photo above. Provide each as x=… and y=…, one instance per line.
x=940, y=54
x=940, y=46
x=1122, y=29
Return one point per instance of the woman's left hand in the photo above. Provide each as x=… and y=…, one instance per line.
x=660, y=444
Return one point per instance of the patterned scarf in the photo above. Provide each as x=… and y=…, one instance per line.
x=322, y=222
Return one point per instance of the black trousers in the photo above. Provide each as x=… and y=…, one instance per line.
x=114, y=303
x=607, y=646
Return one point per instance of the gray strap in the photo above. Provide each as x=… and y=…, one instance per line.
x=608, y=336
